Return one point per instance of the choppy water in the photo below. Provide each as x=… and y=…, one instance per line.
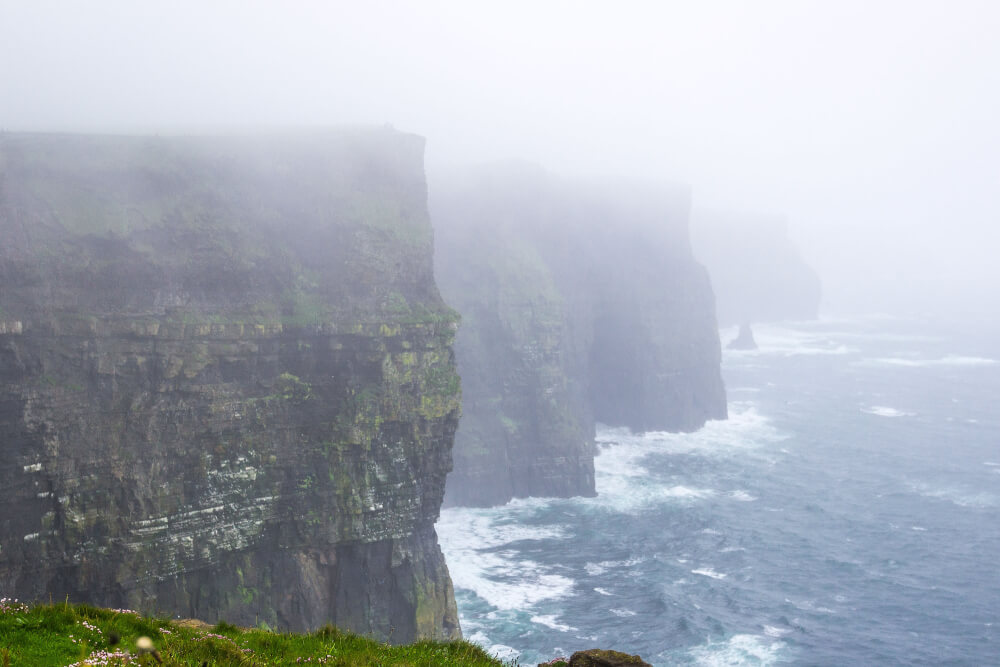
x=846, y=513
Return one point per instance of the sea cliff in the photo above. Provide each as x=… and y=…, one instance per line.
x=581, y=303
x=227, y=388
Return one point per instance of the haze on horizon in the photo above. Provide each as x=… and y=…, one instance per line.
x=872, y=127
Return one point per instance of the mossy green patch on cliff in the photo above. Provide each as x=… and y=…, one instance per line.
x=222, y=344
x=301, y=308
x=290, y=388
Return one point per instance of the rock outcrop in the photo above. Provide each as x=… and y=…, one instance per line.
x=757, y=272
x=602, y=658
x=596, y=657
x=227, y=388
x=579, y=304
x=744, y=339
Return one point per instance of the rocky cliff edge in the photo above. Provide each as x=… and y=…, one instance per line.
x=227, y=388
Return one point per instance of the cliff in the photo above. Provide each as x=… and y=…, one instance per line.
x=757, y=272
x=580, y=304
x=227, y=388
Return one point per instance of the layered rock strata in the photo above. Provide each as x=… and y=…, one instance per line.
x=580, y=304
x=227, y=388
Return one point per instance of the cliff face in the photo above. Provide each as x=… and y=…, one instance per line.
x=757, y=272
x=579, y=304
x=227, y=388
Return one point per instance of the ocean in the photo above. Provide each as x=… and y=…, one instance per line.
x=845, y=514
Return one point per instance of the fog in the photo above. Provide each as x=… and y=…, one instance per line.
x=870, y=126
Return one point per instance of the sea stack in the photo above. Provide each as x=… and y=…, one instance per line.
x=744, y=340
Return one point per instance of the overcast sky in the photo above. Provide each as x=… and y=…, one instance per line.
x=873, y=127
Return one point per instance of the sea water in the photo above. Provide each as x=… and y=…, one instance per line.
x=845, y=514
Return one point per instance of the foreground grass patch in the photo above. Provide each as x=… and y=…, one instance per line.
x=78, y=635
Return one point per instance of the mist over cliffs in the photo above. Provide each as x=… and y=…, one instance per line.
x=227, y=381
x=227, y=388
x=581, y=303
x=758, y=274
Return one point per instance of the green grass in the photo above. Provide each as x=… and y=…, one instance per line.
x=77, y=634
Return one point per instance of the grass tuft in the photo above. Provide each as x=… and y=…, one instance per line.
x=80, y=635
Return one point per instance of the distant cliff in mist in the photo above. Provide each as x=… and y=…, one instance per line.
x=227, y=388
x=580, y=304
x=758, y=274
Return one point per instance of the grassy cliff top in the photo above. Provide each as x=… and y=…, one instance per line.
x=78, y=635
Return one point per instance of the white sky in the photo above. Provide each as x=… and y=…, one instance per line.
x=873, y=126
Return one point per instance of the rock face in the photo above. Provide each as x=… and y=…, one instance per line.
x=757, y=272
x=227, y=388
x=744, y=339
x=579, y=304
x=601, y=658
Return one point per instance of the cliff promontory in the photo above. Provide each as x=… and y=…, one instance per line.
x=227, y=388
x=580, y=304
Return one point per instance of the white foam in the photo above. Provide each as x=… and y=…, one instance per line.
x=885, y=411
x=948, y=360
x=475, y=540
x=809, y=605
x=738, y=650
x=687, y=493
x=479, y=637
x=709, y=572
x=622, y=613
x=470, y=539
x=920, y=529
x=786, y=341
x=550, y=621
x=603, y=591
x=882, y=337
x=742, y=496
x=625, y=485
x=503, y=652
x=772, y=631
x=956, y=496
x=596, y=569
